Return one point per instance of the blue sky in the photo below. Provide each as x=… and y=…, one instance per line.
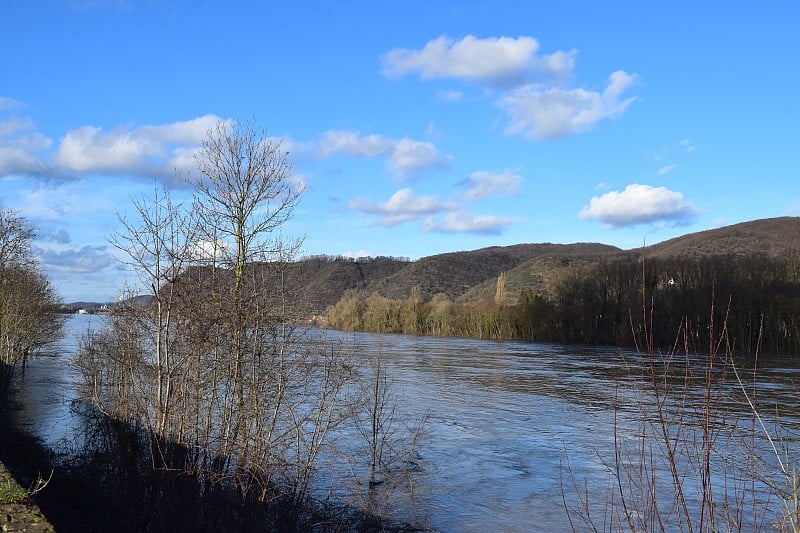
x=416, y=128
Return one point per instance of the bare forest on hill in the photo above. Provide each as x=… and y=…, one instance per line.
x=748, y=274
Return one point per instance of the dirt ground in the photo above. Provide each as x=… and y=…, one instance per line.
x=20, y=517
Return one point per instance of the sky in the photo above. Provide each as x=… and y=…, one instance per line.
x=415, y=127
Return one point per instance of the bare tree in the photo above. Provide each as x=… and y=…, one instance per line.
x=16, y=235
x=210, y=361
x=245, y=194
x=28, y=316
x=159, y=246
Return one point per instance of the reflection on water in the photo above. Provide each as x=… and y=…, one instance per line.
x=42, y=402
x=502, y=419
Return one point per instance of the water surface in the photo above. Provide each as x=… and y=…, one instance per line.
x=511, y=429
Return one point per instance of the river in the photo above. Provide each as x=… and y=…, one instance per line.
x=512, y=433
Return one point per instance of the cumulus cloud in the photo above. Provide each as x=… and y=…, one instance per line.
x=204, y=250
x=20, y=146
x=356, y=255
x=403, y=206
x=552, y=113
x=498, y=61
x=640, y=204
x=461, y=223
x=403, y=156
x=482, y=184
x=408, y=156
x=531, y=85
x=76, y=260
x=353, y=143
x=152, y=150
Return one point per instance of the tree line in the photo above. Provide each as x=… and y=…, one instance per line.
x=29, y=318
x=756, y=296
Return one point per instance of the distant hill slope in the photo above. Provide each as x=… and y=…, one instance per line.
x=471, y=276
x=776, y=237
x=457, y=273
x=541, y=274
x=316, y=283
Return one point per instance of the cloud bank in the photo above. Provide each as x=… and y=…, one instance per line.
x=150, y=151
x=530, y=85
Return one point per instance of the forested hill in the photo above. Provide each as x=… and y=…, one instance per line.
x=471, y=276
x=774, y=237
x=318, y=282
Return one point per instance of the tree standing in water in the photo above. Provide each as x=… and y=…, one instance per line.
x=211, y=363
x=29, y=319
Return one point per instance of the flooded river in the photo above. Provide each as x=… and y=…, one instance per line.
x=512, y=435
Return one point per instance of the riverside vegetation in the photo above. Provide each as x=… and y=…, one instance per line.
x=601, y=304
x=28, y=304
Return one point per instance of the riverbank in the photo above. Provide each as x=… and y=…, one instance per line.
x=19, y=514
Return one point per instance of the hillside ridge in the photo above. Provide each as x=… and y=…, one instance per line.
x=318, y=282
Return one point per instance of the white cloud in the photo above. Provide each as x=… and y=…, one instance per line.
x=461, y=223
x=403, y=156
x=498, y=61
x=482, y=184
x=353, y=143
x=356, y=255
x=149, y=151
x=146, y=151
x=204, y=250
x=667, y=169
x=532, y=90
x=552, y=113
x=20, y=145
x=408, y=157
x=639, y=204
x=403, y=206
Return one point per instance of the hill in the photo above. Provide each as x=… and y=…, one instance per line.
x=319, y=282
x=455, y=274
x=775, y=237
x=316, y=283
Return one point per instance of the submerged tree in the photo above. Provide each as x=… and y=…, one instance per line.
x=28, y=315
x=209, y=364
